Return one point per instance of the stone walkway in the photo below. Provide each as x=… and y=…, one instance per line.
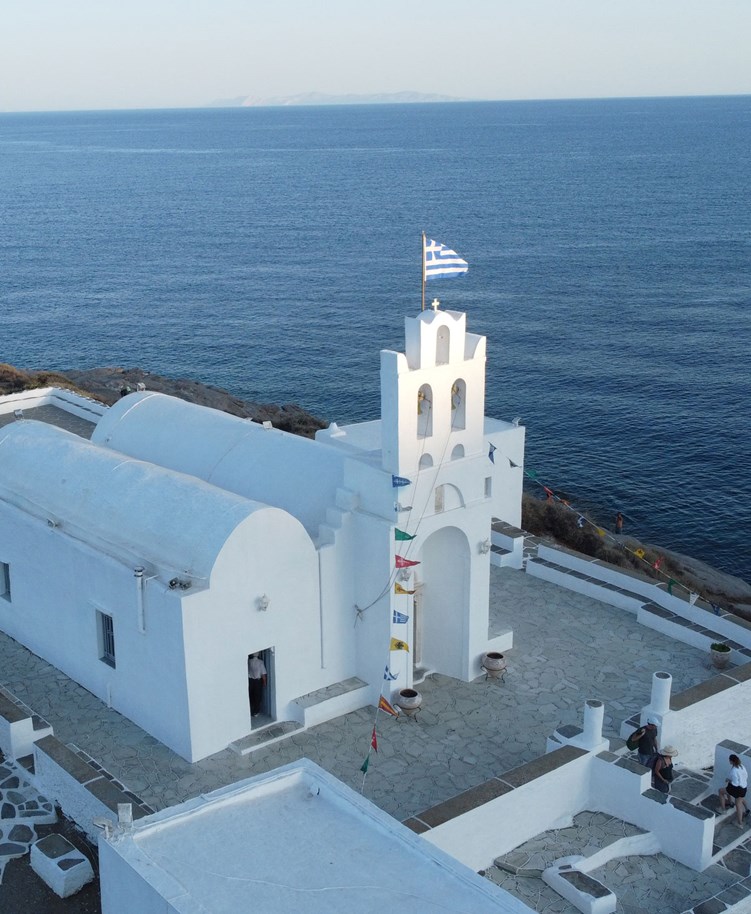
x=567, y=648
x=642, y=884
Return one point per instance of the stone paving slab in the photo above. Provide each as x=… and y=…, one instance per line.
x=567, y=648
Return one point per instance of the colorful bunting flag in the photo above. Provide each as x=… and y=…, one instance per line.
x=532, y=474
x=401, y=562
x=400, y=618
x=671, y=582
x=491, y=453
x=388, y=675
x=512, y=464
x=580, y=521
x=658, y=564
x=402, y=590
x=401, y=536
x=384, y=705
x=374, y=740
x=716, y=608
x=692, y=598
x=397, y=645
x=600, y=531
x=397, y=481
x=639, y=553
x=364, y=766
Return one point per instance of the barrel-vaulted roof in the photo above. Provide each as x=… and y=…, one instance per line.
x=296, y=474
x=125, y=507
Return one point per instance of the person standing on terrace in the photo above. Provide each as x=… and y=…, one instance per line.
x=735, y=788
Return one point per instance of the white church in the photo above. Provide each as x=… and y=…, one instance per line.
x=150, y=555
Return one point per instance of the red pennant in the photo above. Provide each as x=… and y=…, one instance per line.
x=374, y=740
x=658, y=564
x=401, y=562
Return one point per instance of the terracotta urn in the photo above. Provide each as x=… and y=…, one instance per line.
x=720, y=654
x=409, y=700
x=494, y=664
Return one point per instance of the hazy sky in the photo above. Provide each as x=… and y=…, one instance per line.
x=74, y=54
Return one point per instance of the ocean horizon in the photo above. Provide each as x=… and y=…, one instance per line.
x=275, y=251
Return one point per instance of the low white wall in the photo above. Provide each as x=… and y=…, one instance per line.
x=83, y=407
x=68, y=788
x=697, y=729
x=651, y=592
x=551, y=801
x=477, y=837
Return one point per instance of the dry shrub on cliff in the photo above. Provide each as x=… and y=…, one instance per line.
x=14, y=380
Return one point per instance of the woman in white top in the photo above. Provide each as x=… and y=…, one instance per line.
x=737, y=785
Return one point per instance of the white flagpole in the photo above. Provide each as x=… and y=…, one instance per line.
x=423, y=272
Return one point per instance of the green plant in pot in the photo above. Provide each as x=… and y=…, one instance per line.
x=720, y=653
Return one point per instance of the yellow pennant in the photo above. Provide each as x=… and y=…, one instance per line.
x=600, y=531
x=402, y=590
x=639, y=553
x=397, y=645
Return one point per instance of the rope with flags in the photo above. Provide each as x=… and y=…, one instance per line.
x=654, y=563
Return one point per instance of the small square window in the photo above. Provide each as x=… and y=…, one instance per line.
x=5, y=581
x=106, y=638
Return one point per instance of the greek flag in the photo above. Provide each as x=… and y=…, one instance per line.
x=440, y=261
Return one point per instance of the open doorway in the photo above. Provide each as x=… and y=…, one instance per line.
x=261, y=687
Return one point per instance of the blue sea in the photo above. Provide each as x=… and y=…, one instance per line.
x=275, y=251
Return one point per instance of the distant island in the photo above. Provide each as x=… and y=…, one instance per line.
x=321, y=98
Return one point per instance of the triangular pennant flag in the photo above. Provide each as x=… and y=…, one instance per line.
x=639, y=553
x=397, y=645
x=388, y=675
x=716, y=608
x=401, y=562
x=549, y=492
x=364, y=766
x=600, y=531
x=532, y=474
x=402, y=590
x=384, y=705
x=397, y=481
x=402, y=536
x=400, y=618
x=692, y=598
x=670, y=584
x=512, y=464
x=658, y=564
x=374, y=740
x=580, y=521
x=491, y=453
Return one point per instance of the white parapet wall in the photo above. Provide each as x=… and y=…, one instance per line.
x=699, y=718
x=76, y=404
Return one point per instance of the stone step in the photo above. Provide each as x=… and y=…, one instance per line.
x=274, y=733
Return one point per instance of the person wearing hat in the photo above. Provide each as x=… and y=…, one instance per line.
x=662, y=769
x=735, y=788
x=647, y=741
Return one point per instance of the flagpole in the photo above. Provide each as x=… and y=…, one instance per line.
x=423, y=272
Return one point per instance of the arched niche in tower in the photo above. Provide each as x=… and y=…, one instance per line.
x=458, y=404
x=458, y=452
x=442, y=345
x=425, y=411
x=426, y=461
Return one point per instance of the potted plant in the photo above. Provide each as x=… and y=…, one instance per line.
x=720, y=653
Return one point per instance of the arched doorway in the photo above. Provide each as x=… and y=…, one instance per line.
x=444, y=601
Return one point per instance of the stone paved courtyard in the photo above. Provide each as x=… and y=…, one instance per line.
x=567, y=648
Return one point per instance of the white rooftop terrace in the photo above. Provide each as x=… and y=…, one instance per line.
x=295, y=839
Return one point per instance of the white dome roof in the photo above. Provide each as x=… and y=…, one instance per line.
x=132, y=510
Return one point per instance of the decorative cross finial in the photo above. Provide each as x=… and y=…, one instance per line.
x=435, y=304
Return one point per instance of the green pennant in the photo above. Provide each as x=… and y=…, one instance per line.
x=364, y=766
x=401, y=535
x=531, y=474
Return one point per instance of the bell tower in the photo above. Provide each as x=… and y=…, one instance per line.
x=432, y=394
